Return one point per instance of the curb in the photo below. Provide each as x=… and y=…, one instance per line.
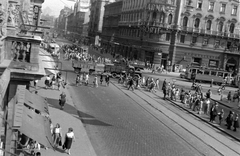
x=190, y=112
x=221, y=103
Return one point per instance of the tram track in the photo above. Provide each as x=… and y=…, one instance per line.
x=176, y=106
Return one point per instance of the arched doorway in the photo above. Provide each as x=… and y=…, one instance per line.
x=231, y=65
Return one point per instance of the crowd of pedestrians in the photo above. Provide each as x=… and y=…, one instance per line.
x=76, y=52
x=193, y=99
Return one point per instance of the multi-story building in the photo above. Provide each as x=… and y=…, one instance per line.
x=208, y=34
x=111, y=18
x=96, y=19
x=62, y=21
x=19, y=65
x=143, y=27
x=181, y=32
x=75, y=25
x=72, y=22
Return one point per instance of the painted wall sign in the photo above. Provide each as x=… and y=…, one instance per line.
x=153, y=30
x=160, y=7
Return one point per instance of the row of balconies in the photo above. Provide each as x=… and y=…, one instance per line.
x=210, y=32
x=181, y=28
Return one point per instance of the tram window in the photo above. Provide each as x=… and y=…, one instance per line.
x=220, y=74
x=226, y=74
x=199, y=71
x=213, y=73
x=206, y=72
x=194, y=70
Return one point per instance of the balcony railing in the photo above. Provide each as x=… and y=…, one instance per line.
x=209, y=32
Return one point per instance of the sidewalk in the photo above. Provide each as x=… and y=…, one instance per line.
x=66, y=118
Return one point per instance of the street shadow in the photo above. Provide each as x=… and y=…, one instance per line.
x=59, y=149
x=84, y=117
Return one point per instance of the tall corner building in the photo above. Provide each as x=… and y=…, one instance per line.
x=179, y=33
x=96, y=20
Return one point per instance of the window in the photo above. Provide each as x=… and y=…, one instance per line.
x=234, y=10
x=213, y=73
x=211, y=6
x=185, y=21
x=194, y=39
x=220, y=74
x=205, y=41
x=170, y=19
x=168, y=37
x=182, y=38
x=197, y=22
x=220, y=26
x=223, y=8
x=231, y=28
x=209, y=25
x=206, y=72
x=199, y=4
x=217, y=43
x=197, y=60
x=154, y=16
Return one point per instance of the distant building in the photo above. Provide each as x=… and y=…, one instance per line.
x=111, y=18
x=62, y=21
x=96, y=20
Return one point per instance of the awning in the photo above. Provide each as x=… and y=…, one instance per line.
x=36, y=102
x=50, y=72
x=36, y=127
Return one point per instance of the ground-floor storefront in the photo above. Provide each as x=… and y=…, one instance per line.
x=158, y=53
x=207, y=58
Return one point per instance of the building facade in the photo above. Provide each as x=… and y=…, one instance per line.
x=143, y=27
x=208, y=35
x=111, y=18
x=181, y=33
x=19, y=65
x=75, y=25
x=61, y=26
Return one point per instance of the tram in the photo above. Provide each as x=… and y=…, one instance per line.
x=200, y=74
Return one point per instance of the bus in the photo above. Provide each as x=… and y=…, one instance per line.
x=200, y=74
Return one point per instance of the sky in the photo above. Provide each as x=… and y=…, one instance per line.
x=56, y=6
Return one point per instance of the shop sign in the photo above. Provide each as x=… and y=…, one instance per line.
x=202, y=56
x=152, y=29
x=154, y=49
x=159, y=7
x=213, y=63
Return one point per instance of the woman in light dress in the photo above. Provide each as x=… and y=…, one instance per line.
x=69, y=138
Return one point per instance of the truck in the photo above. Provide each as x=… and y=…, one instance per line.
x=109, y=68
x=138, y=65
x=88, y=67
